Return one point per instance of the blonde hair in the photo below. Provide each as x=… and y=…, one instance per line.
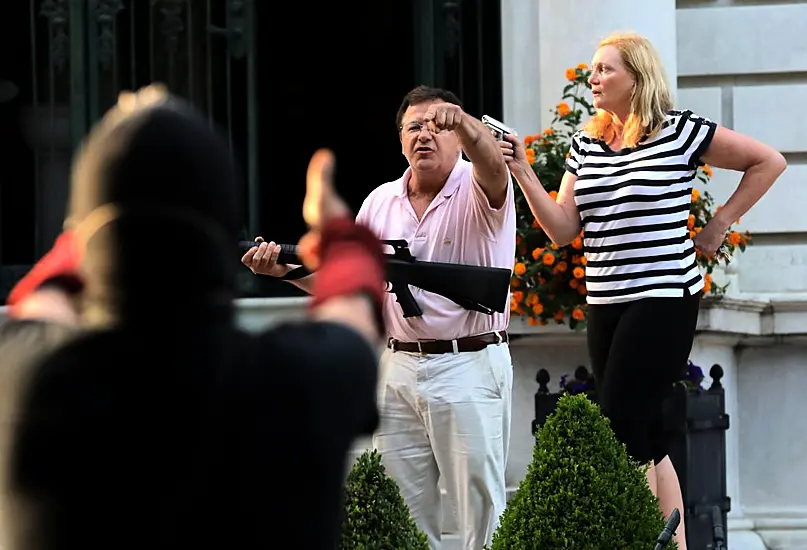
x=651, y=98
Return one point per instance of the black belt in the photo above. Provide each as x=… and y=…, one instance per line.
x=469, y=343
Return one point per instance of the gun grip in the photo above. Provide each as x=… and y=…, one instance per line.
x=407, y=302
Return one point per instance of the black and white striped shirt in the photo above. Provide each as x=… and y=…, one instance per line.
x=634, y=204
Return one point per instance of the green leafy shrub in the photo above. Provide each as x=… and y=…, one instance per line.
x=582, y=491
x=376, y=517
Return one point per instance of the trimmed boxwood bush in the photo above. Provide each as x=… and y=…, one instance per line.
x=376, y=517
x=581, y=490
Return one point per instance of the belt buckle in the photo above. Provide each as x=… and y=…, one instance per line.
x=391, y=344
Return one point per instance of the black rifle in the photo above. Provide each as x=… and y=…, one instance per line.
x=475, y=288
x=669, y=529
x=718, y=533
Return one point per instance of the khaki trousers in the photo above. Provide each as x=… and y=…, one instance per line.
x=448, y=415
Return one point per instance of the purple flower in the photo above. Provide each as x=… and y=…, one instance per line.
x=694, y=373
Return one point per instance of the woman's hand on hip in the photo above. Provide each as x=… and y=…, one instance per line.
x=710, y=238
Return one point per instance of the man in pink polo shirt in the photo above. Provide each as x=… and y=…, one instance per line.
x=446, y=377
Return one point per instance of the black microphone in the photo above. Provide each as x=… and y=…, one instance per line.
x=288, y=252
x=718, y=534
x=669, y=529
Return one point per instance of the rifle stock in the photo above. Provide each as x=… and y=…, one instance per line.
x=475, y=288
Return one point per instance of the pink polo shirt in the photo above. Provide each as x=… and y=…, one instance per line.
x=458, y=227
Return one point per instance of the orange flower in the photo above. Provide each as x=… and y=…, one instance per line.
x=537, y=253
x=532, y=322
x=574, y=283
x=549, y=132
x=578, y=314
x=734, y=238
x=690, y=222
x=695, y=195
x=515, y=283
x=707, y=170
x=548, y=259
x=519, y=269
x=563, y=109
x=561, y=267
x=535, y=224
x=707, y=283
x=582, y=289
x=528, y=140
x=530, y=156
x=577, y=243
x=554, y=195
x=583, y=260
x=579, y=272
x=538, y=309
x=582, y=66
x=571, y=74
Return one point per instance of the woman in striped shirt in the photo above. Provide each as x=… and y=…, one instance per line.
x=628, y=184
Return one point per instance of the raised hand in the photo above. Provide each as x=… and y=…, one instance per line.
x=513, y=150
x=443, y=117
x=321, y=205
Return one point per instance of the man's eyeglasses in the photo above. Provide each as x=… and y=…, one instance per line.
x=414, y=128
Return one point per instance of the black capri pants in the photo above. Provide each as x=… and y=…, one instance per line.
x=638, y=349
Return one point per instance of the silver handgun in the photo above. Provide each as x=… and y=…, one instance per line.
x=498, y=129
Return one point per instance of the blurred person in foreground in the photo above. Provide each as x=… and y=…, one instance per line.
x=628, y=186
x=165, y=425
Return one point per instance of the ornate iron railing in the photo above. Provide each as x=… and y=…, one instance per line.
x=83, y=52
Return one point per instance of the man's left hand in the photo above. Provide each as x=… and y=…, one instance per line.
x=443, y=117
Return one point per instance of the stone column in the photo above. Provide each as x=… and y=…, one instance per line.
x=521, y=66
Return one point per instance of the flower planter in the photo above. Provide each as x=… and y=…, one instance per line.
x=696, y=422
